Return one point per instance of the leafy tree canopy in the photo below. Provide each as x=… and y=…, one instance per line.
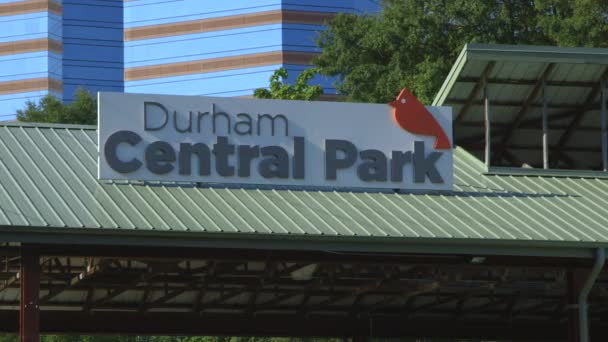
x=49, y=109
x=414, y=43
x=281, y=90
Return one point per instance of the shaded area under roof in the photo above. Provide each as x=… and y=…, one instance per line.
x=514, y=75
x=49, y=190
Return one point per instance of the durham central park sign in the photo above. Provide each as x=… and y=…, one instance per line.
x=401, y=145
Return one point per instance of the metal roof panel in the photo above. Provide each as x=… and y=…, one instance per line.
x=48, y=181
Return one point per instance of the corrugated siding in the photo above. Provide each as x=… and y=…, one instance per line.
x=48, y=179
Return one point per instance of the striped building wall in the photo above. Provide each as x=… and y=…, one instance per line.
x=223, y=48
x=31, y=50
x=190, y=47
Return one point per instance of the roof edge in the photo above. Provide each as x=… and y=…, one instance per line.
x=449, y=81
x=46, y=125
x=515, y=53
x=302, y=242
x=517, y=171
x=537, y=53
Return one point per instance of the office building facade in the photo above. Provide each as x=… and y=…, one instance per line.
x=149, y=46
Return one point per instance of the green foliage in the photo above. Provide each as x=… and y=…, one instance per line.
x=49, y=109
x=281, y=90
x=414, y=43
x=575, y=22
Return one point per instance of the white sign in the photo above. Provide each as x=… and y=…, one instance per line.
x=401, y=145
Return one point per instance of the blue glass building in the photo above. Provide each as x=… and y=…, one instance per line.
x=189, y=47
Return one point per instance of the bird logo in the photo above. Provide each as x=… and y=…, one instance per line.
x=412, y=116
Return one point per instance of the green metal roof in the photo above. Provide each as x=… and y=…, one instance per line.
x=514, y=76
x=523, y=62
x=49, y=190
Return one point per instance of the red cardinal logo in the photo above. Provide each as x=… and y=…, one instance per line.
x=412, y=116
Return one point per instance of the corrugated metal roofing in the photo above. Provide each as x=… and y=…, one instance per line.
x=513, y=72
x=48, y=184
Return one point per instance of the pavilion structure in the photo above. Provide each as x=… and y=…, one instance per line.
x=510, y=254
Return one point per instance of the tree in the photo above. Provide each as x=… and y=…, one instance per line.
x=83, y=110
x=414, y=43
x=281, y=90
x=575, y=22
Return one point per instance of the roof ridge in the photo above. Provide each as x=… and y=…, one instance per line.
x=46, y=125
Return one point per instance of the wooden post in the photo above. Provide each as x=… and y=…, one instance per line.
x=486, y=116
x=545, y=127
x=604, y=123
x=29, y=313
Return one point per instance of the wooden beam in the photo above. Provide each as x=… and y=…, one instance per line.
x=581, y=84
x=604, y=122
x=491, y=303
x=312, y=286
x=30, y=291
x=357, y=292
x=269, y=272
x=13, y=279
x=53, y=292
x=563, y=157
x=475, y=91
x=579, y=116
x=88, y=302
x=168, y=296
x=545, y=125
x=144, y=298
x=9, y=282
x=523, y=110
x=248, y=288
x=192, y=285
x=474, y=291
x=487, y=126
x=116, y=292
x=211, y=268
x=511, y=158
x=406, y=294
x=189, y=324
x=515, y=104
x=529, y=123
x=532, y=147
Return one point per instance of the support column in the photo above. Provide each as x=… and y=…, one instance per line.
x=29, y=313
x=486, y=116
x=604, y=123
x=545, y=127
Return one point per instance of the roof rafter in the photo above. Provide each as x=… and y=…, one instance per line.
x=528, y=82
x=356, y=292
x=211, y=269
x=117, y=292
x=529, y=123
x=473, y=94
x=523, y=110
x=504, y=103
x=236, y=292
x=595, y=91
x=407, y=294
